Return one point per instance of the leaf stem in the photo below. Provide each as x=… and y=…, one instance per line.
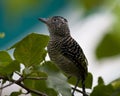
x=37, y=78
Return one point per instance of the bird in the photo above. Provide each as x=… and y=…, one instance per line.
x=65, y=52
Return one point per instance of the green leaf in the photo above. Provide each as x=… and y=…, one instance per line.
x=88, y=81
x=6, y=64
x=56, y=79
x=12, y=67
x=116, y=9
x=102, y=90
x=27, y=71
x=39, y=85
x=31, y=50
x=116, y=86
x=88, y=6
x=50, y=68
x=16, y=93
x=100, y=81
x=112, y=89
x=109, y=46
x=5, y=58
x=116, y=92
x=116, y=83
x=92, y=4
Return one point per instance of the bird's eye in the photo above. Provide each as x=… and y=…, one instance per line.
x=54, y=20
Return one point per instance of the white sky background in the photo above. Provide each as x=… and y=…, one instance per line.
x=87, y=33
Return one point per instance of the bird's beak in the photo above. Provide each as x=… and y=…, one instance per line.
x=44, y=20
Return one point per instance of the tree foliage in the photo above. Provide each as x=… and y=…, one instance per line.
x=42, y=77
x=39, y=76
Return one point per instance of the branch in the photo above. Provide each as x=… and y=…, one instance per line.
x=80, y=91
x=7, y=85
x=2, y=77
x=12, y=82
x=18, y=82
x=1, y=89
x=18, y=73
x=31, y=90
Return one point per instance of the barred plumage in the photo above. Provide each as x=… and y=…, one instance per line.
x=65, y=51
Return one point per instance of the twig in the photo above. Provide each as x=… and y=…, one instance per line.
x=6, y=85
x=18, y=82
x=2, y=77
x=31, y=90
x=1, y=89
x=80, y=91
x=12, y=82
x=18, y=73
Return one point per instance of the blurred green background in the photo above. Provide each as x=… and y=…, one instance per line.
x=17, y=17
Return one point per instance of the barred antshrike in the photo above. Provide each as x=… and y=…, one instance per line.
x=64, y=51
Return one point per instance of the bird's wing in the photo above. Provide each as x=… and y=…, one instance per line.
x=71, y=50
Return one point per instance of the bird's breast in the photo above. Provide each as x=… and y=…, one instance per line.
x=61, y=61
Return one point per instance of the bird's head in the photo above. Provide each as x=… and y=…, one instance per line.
x=56, y=25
